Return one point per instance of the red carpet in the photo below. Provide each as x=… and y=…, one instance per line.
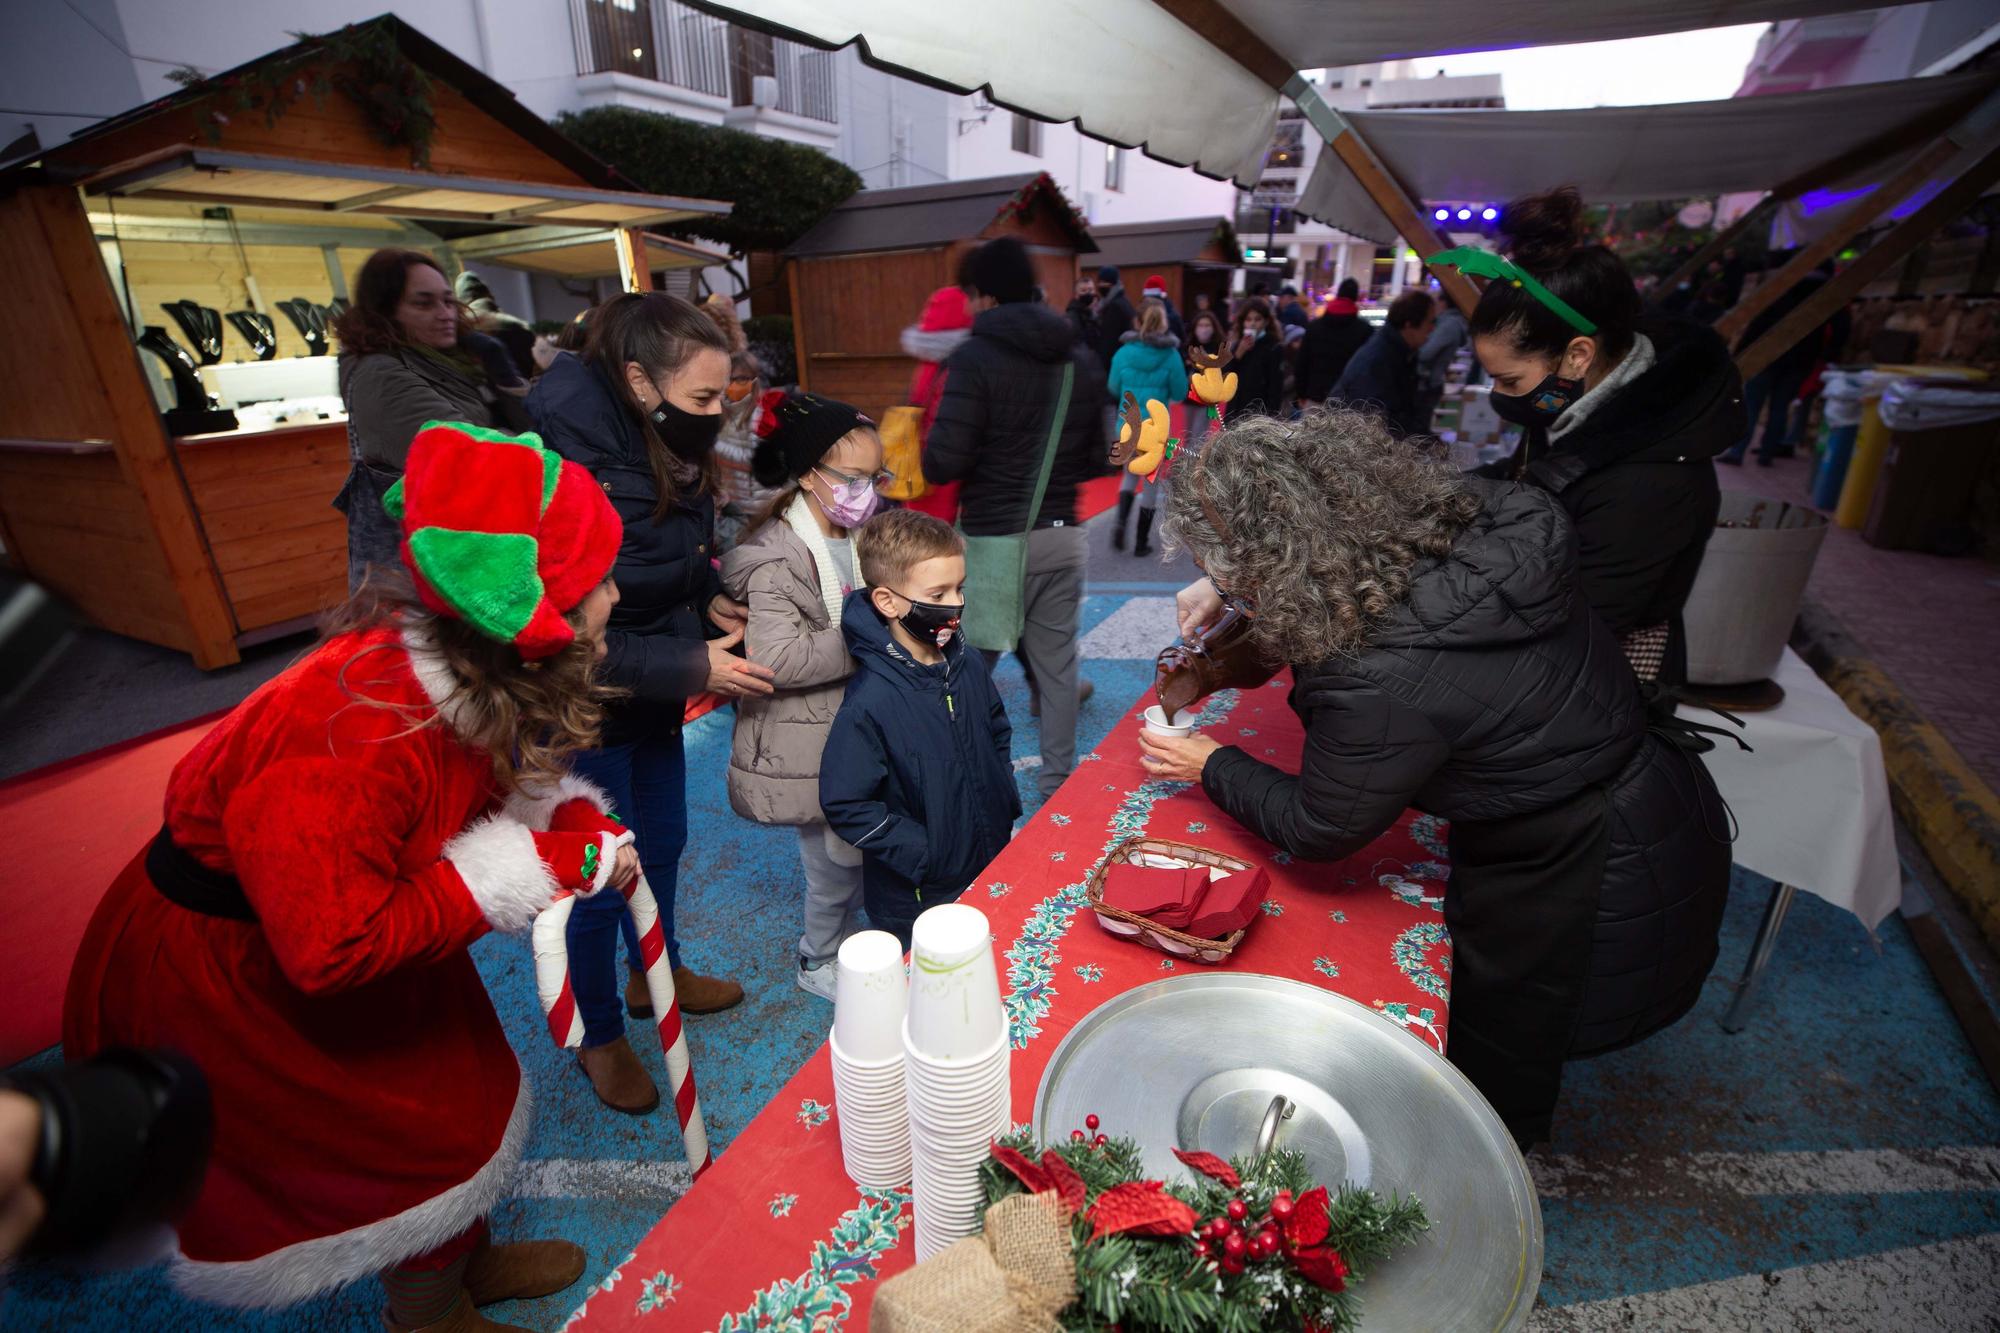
x=70, y=828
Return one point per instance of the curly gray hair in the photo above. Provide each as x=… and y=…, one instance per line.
x=1318, y=523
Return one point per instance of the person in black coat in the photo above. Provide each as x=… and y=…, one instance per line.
x=1443, y=657
x=641, y=410
x=1330, y=343
x=1622, y=421
x=1257, y=359
x=1115, y=316
x=1382, y=377
x=991, y=432
x=1773, y=391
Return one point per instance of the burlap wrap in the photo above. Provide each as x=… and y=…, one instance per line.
x=1013, y=1279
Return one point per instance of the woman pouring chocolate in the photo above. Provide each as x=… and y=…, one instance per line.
x=1444, y=658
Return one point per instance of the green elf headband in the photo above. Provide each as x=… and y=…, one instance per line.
x=1474, y=262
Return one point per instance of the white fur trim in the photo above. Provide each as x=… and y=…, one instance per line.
x=537, y=807
x=304, y=1270
x=799, y=515
x=496, y=858
x=607, y=855
x=435, y=675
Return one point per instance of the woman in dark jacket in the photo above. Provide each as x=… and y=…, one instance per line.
x=403, y=362
x=1443, y=658
x=1257, y=359
x=1622, y=418
x=641, y=409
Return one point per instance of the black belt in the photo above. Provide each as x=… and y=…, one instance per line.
x=188, y=883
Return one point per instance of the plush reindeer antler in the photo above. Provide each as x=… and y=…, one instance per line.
x=1205, y=360
x=1131, y=419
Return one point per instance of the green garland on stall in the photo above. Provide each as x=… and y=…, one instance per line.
x=1148, y=1278
x=362, y=61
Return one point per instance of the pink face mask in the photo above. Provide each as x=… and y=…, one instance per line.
x=852, y=503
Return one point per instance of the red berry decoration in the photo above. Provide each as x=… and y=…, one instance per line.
x=1266, y=1243
x=1233, y=1245
x=1232, y=1266
x=1238, y=1210
x=1090, y=1122
x=1100, y=1140
x=1281, y=1207
x=1202, y=1249
x=1077, y=1136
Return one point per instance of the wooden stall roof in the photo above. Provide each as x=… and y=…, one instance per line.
x=571, y=252
x=1173, y=241
x=919, y=216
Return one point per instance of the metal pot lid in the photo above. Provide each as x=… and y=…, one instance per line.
x=1194, y=1062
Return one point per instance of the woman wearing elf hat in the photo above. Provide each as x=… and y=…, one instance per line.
x=299, y=926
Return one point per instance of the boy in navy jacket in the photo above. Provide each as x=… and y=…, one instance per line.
x=917, y=772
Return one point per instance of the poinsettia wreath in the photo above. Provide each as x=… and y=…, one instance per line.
x=1248, y=1246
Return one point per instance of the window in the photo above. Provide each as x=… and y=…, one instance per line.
x=618, y=35
x=1114, y=167
x=1027, y=135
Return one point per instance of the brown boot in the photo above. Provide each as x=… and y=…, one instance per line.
x=521, y=1271
x=638, y=1000
x=704, y=995
x=620, y=1080
x=462, y=1319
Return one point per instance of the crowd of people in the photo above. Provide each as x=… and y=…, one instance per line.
x=549, y=561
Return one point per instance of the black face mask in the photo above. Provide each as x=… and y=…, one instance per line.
x=691, y=435
x=1539, y=406
x=930, y=622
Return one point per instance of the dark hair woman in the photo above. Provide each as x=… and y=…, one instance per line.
x=1622, y=413
x=299, y=926
x=641, y=410
x=1257, y=359
x=403, y=362
x=1443, y=657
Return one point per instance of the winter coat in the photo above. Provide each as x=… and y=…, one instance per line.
x=1260, y=377
x=1115, y=316
x=389, y=396
x=1634, y=474
x=1382, y=378
x=1330, y=343
x=917, y=772
x=992, y=424
x=1434, y=357
x=774, y=759
x=1149, y=368
x=656, y=638
x=1589, y=857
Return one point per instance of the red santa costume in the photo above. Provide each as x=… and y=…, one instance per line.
x=329, y=851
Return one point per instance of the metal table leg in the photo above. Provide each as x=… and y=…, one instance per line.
x=1738, y=1016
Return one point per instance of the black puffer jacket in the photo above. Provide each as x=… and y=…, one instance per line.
x=1636, y=478
x=1330, y=343
x=992, y=422
x=1589, y=857
x=656, y=639
x=1260, y=379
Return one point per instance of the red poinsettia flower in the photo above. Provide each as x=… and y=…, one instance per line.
x=766, y=420
x=1143, y=1208
x=1305, y=1233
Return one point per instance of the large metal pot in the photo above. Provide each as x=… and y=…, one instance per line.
x=1753, y=577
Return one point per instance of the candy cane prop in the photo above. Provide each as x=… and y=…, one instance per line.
x=552, y=984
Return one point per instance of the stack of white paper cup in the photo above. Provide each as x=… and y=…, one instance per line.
x=956, y=1060
x=869, y=1000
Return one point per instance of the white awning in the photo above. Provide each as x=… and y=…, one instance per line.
x=1134, y=72
x=1622, y=154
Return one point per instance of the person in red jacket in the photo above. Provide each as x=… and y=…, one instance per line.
x=945, y=323
x=299, y=927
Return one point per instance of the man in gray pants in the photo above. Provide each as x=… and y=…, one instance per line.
x=991, y=432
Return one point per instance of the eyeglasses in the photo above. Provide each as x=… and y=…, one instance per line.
x=882, y=478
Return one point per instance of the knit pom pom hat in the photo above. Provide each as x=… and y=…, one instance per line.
x=502, y=533
x=794, y=431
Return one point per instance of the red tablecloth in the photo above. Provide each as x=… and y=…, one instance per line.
x=775, y=1236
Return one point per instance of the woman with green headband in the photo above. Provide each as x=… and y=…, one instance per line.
x=1622, y=414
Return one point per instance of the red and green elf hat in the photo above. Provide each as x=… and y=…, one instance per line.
x=502, y=533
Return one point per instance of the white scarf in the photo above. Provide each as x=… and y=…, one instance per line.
x=799, y=515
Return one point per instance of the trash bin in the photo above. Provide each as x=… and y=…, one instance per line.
x=1753, y=576
x=1871, y=444
x=1842, y=392
x=1942, y=437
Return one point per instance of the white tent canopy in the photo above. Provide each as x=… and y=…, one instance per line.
x=1134, y=72
x=1622, y=154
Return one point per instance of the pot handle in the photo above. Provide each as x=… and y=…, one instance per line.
x=1279, y=1111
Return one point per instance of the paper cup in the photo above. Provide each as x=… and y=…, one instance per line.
x=1157, y=721
x=870, y=996
x=954, y=1003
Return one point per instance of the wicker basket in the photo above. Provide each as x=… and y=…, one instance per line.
x=1151, y=933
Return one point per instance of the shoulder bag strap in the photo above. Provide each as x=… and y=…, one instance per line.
x=1055, y=437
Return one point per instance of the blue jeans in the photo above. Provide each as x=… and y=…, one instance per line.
x=1767, y=393
x=647, y=783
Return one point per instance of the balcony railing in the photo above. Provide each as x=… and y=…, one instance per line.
x=652, y=39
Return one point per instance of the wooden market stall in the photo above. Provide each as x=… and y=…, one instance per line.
x=249, y=200
x=861, y=276
x=1191, y=255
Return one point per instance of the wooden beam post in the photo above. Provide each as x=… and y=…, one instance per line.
x=1911, y=232
x=1721, y=241
x=145, y=452
x=798, y=322
x=635, y=271
x=1913, y=177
